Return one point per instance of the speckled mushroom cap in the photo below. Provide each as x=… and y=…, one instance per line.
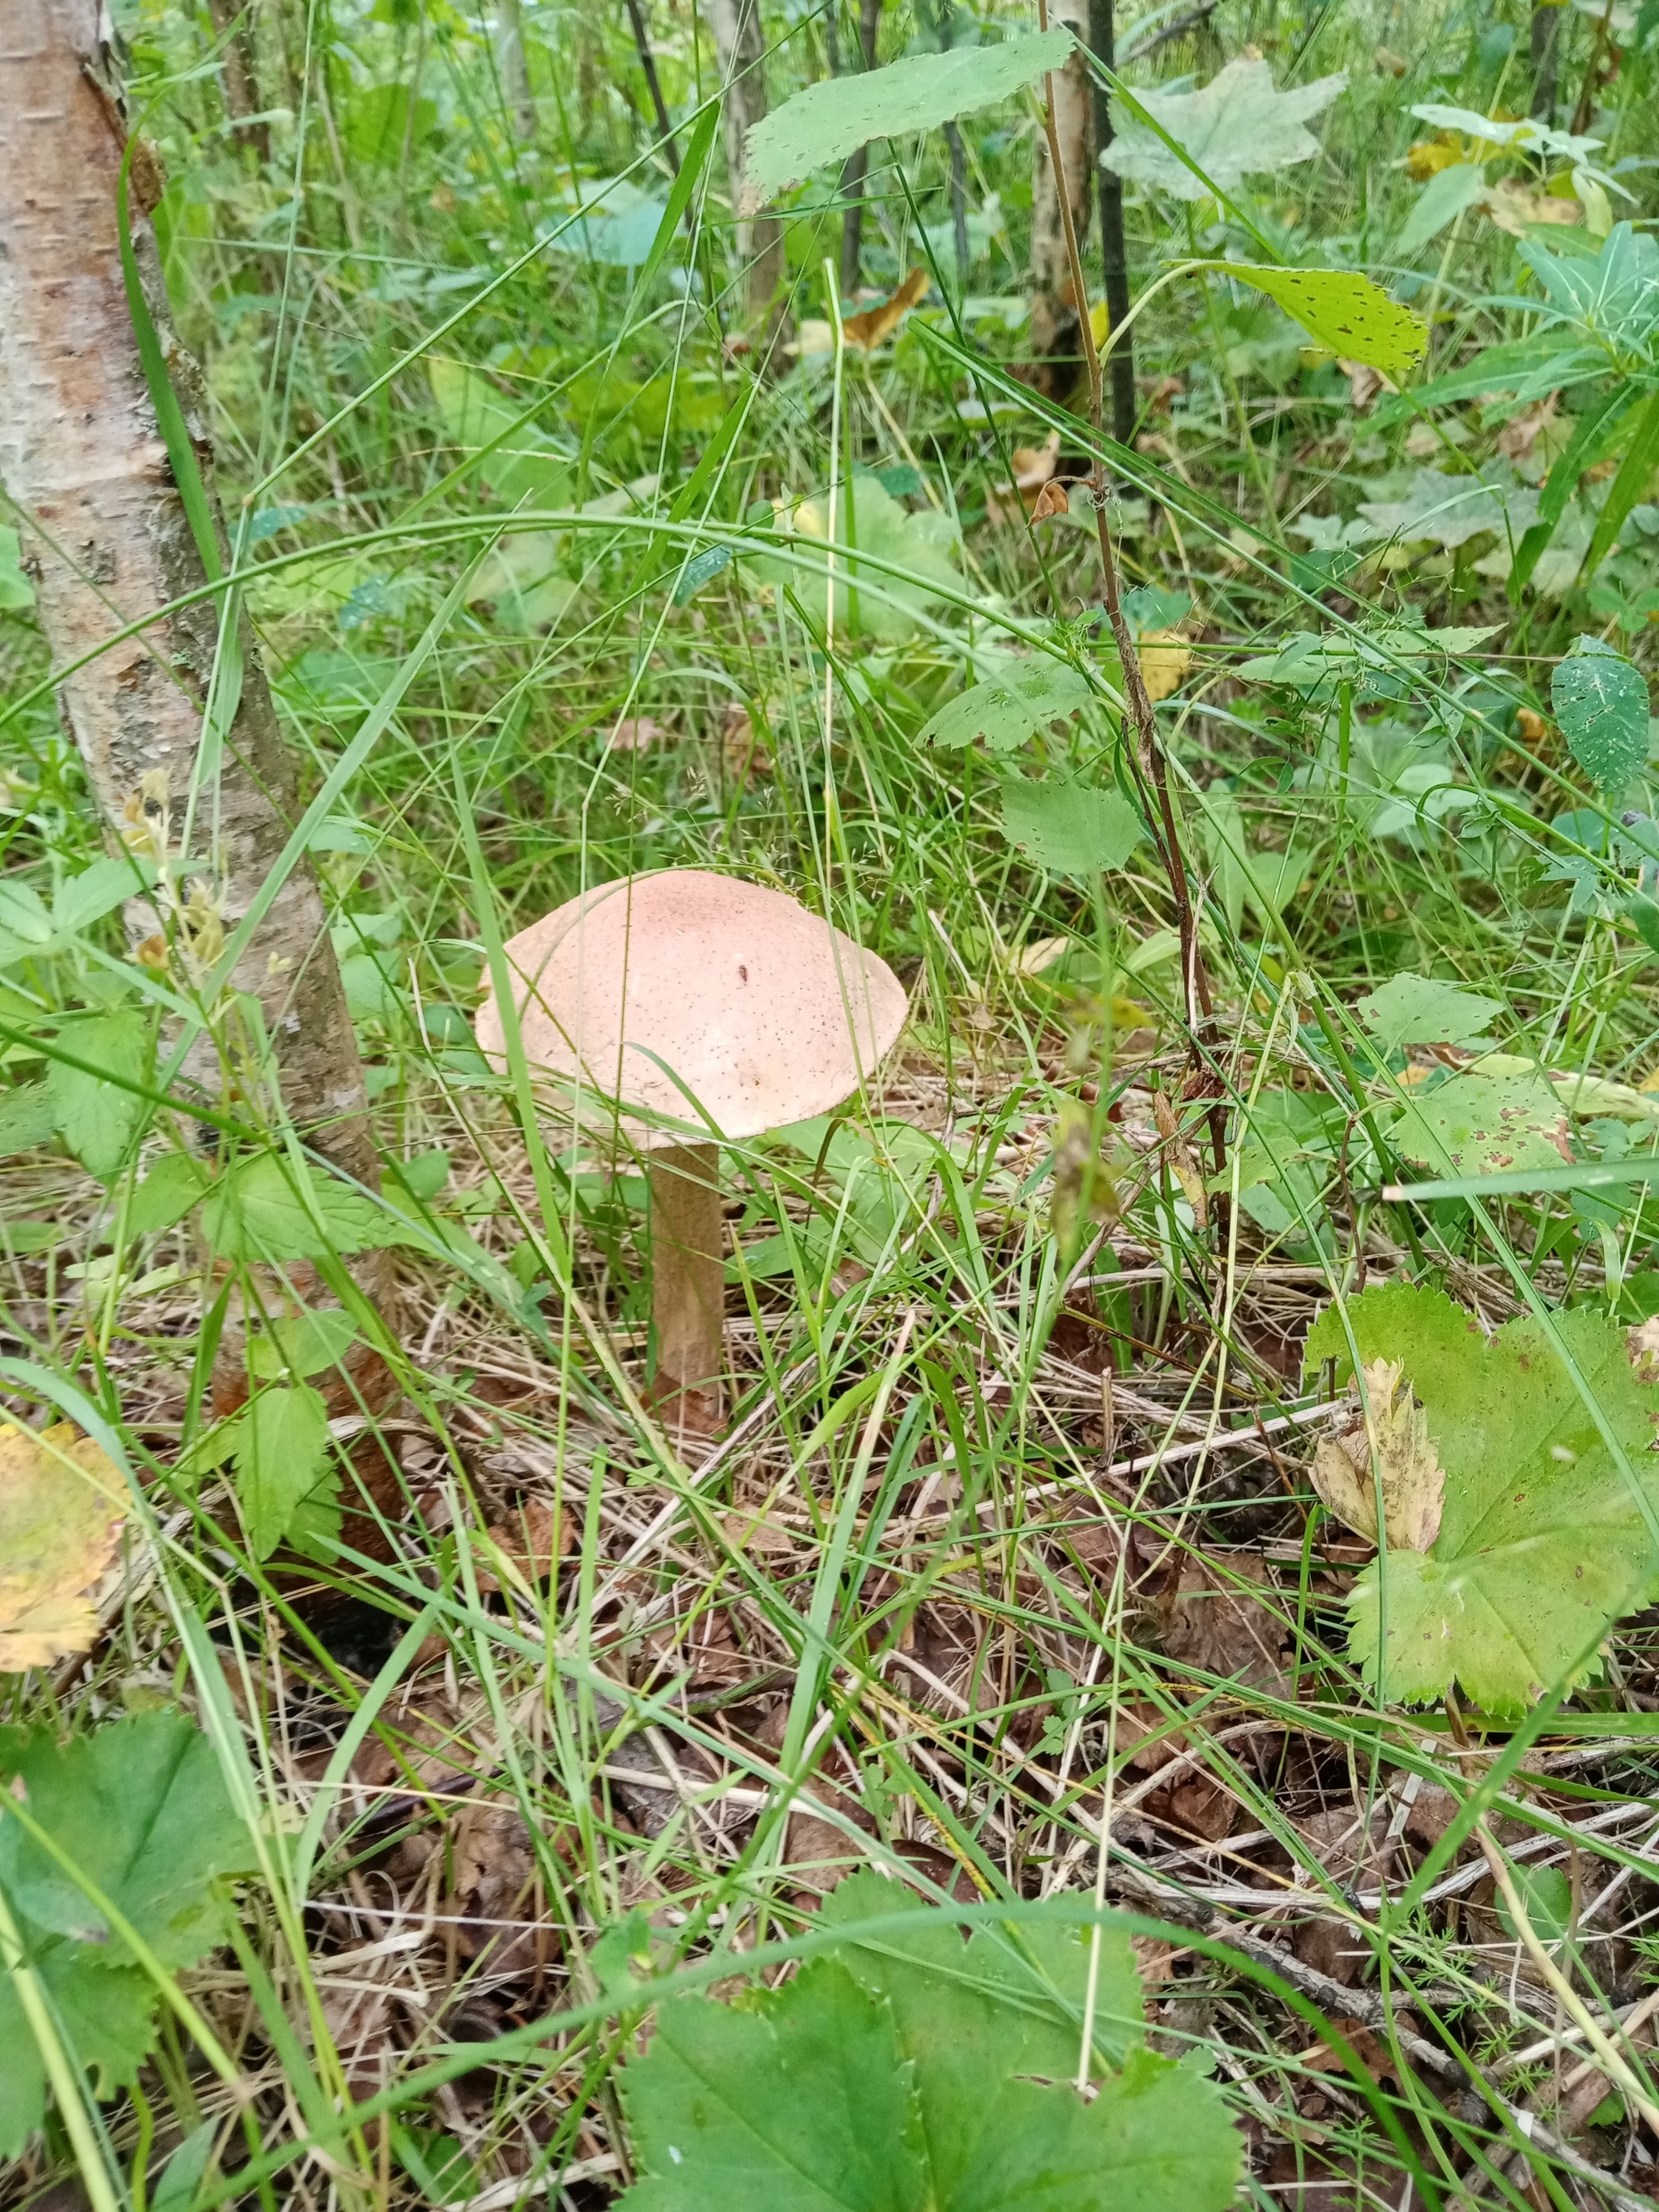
x=764, y=1013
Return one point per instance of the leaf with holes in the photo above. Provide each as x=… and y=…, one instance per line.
x=1601, y=701
x=1009, y=710
x=1480, y=1125
x=1067, y=828
x=1235, y=126
x=1542, y=1543
x=1344, y=311
x=833, y=118
x=1410, y=1009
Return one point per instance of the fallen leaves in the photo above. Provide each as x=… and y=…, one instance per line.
x=1165, y=656
x=61, y=1509
x=1512, y=206
x=1034, y=467
x=1408, y=1471
x=869, y=329
x=635, y=733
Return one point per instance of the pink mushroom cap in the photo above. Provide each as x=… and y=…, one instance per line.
x=697, y=999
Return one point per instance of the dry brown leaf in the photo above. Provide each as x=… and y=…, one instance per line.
x=1520, y=434
x=1390, y=64
x=531, y=1543
x=1530, y=726
x=1053, y=499
x=1364, y=382
x=61, y=1509
x=1181, y=1158
x=1033, y=465
x=1412, y=1481
x=1165, y=656
x=496, y=1892
x=1213, y=1620
x=744, y=752
x=635, y=733
x=875, y=324
x=1512, y=205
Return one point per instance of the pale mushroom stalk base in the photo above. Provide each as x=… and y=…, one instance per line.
x=687, y=1285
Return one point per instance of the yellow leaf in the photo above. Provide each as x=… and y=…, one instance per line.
x=61, y=1507
x=1430, y=156
x=1407, y=1470
x=1100, y=323
x=1165, y=656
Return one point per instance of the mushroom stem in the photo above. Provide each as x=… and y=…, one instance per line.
x=688, y=1284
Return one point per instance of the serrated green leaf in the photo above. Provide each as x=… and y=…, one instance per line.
x=281, y=1462
x=1237, y=125
x=95, y=1110
x=1601, y=701
x=104, y=2014
x=98, y=891
x=1479, y=1125
x=1345, y=311
x=165, y=1195
x=1542, y=1546
x=141, y=1808
x=1410, y=1009
x=302, y=1344
x=1067, y=828
x=256, y=1212
x=832, y=119
x=1009, y=710
x=801, y=2103
x=26, y=1118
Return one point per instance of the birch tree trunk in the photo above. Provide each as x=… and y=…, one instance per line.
x=1056, y=345
x=106, y=534
x=739, y=44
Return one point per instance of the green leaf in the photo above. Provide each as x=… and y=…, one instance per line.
x=1547, y=1899
x=921, y=546
x=1484, y=1125
x=95, y=1113
x=897, y=2076
x=521, y=466
x=1445, y=196
x=1542, y=1546
x=1009, y=710
x=98, y=891
x=833, y=118
x=1411, y=1009
x=174, y=1185
x=281, y=1460
x=802, y=2102
x=28, y=1118
x=701, y=568
x=1601, y=701
x=256, y=1212
x=1236, y=126
x=1068, y=829
x=302, y=1344
x=16, y=592
x=140, y=1808
x=1344, y=311
x=1445, y=510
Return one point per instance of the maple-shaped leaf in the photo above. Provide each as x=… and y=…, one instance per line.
x=140, y=1811
x=1237, y=125
x=1541, y=1544
x=1481, y=1125
x=1390, y=1451
x=62, y=1501
x=1441, y=509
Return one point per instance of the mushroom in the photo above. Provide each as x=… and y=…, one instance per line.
x=688, y=998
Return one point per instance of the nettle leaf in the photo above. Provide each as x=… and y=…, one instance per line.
x=140, y=1808
x=283, y=1464
x=258, y=1212
x=1344, y=311
x=172, y=1187
x=894, y=2078
x=1601, y=701
x=1410, y=1009
x=833, y=118
x=1009, y=710
x=26, y=1118
x=95, y=1108
x=1480, y=1125
x=1541, y=1545
x=1067, y=828
x=1236, y=126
